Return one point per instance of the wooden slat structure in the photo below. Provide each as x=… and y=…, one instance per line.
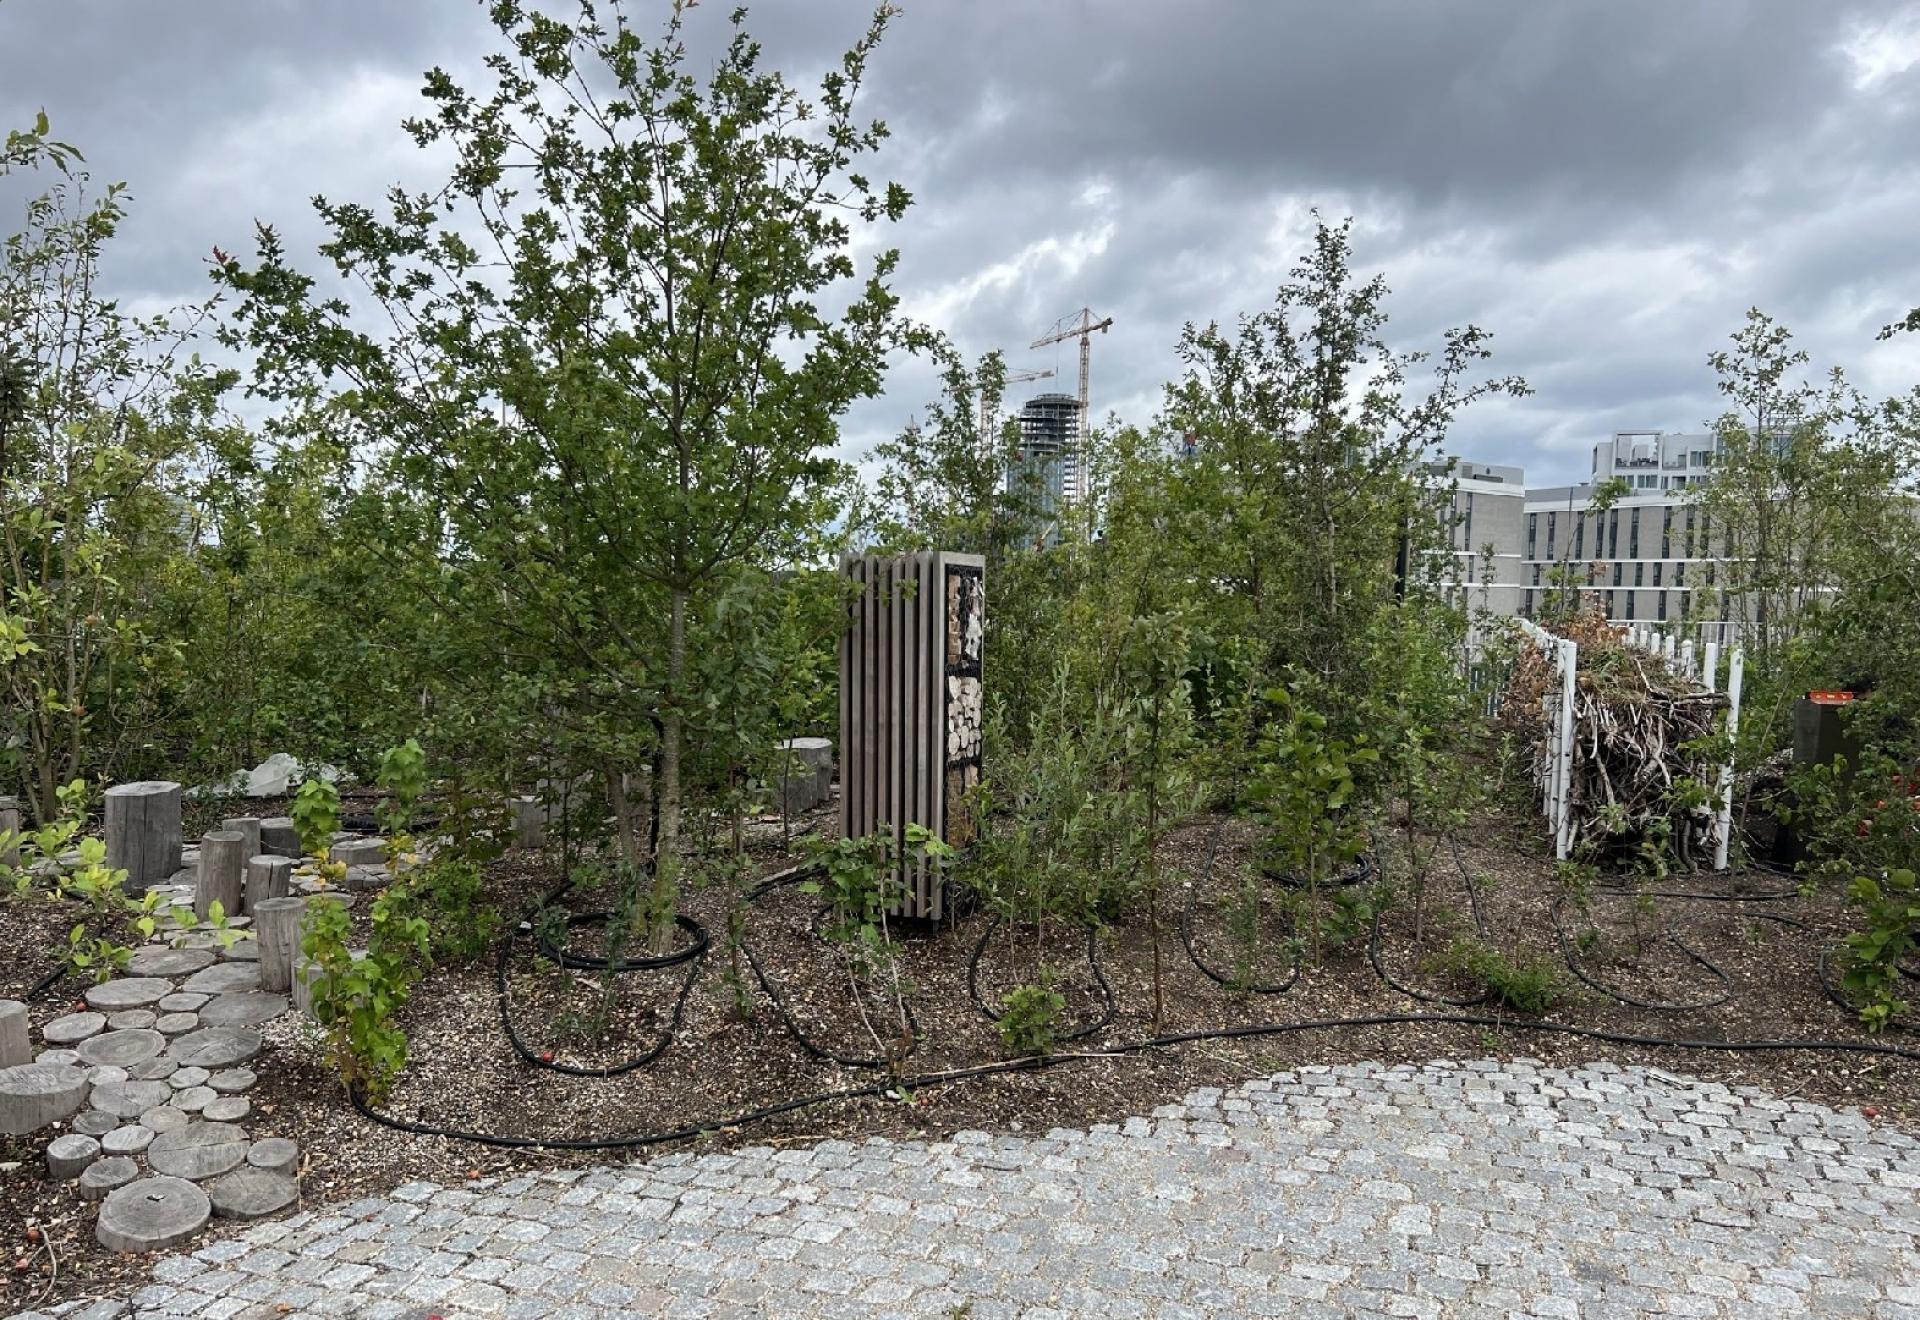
x=910, y=703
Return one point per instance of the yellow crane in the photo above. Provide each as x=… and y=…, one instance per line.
x=1081, y=328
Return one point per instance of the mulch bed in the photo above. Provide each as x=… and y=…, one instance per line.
x=732, y=1051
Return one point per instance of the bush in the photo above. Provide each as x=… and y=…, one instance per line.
x=1030, y=1016
x=1529, y=985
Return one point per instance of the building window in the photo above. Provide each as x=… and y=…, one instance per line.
x=1533, y=530
x=1663, y=605
x=1689, y=531
x=1680, y=574
x=1467, y=532
x=1710, y=573
x=1526, y=606
x=1553, y=520
x=1579, y=535
x=1656, y=572
x=1666, y=532
x=1618, y=569
x=1640, y=574
x=1633, y=534
x=1630, y=596
x=1613, y=535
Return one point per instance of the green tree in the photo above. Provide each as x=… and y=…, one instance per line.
x=627, y=326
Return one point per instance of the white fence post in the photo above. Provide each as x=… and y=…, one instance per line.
x=1723, y=831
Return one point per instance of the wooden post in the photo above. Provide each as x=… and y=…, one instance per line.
x=529, y=823
x=268, y=876
x=276, y=924
x=143, y=832
x=249, y=826
x=10, y=824
x=305, y=972
x=16, y=1047
x=222, y=869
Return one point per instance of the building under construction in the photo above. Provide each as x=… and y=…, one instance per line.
x=1046, y=472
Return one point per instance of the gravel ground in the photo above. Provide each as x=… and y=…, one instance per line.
x=1485, y=1188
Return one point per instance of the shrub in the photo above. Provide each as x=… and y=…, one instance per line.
x=1890, y=911
x=1530, y=985
x=1030, y=1016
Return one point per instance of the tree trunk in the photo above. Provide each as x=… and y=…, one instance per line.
x=666, y=863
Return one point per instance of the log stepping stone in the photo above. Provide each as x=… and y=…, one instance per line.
x=130, y=1099
x=152, y=1214
x=163, y=961
x=127, y=992
x=176, y=1024
x=153, y=1070
x=164, y=1118
x=57, y=1056
x=232, y=1081
x=215, y=1047
x=205, y=941
x=68, y=1156
x=132, y=1019
x=226, y=1109
x=102, y=1176
x=249, y=1193
x=74, y=1028
x=186, y=1077
x=243, y=951
x=274, y=1154
x=182, y=1002
x=245, y=1009
x=197, y=1151
x=220, y=979
x=33, y=1095
x=95, y=1122
x=128, y=1140
x=193, y=1099
x=121, y=1049
x=103, y=1073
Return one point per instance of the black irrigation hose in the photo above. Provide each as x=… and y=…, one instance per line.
x=1479, y=929
x=779, y=999
x=651, y=962
x=1111, y=1006
x=1363, y=870
x=1622, y=997
x=1193, y=954
x=46, y=983
x=926, y=1081
x=693, y=959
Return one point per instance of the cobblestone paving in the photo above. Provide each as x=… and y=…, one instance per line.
x=1486, y=1188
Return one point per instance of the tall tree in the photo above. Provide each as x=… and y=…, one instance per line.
x=616, y=345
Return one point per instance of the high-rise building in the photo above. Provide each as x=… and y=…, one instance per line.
x=1488, y=510
x=1046, y=471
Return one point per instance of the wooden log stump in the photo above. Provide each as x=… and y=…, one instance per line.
x=222, y=873
x=268, y=876
x=304, y=972
x=529, y=823
x=10, y=825
x=249, y=826
x=16, y=1046
x=276, y=923
x=143, y=831
x=808, y=773
x=277, y=835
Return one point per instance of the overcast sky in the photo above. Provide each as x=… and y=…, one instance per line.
x=1605, y=186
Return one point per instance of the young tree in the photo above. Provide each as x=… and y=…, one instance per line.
x=98, y=419
x=623, y=332
x=1310, y=442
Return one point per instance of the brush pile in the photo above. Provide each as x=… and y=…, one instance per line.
x=1644, y=761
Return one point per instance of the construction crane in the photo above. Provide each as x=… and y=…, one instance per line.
x=1068, y=329
x=989, y=422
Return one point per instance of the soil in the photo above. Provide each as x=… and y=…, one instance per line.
x=731, y=1050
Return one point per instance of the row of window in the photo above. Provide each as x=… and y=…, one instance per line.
x=1676, y=578
x=1618, y=609
x=1695, y=532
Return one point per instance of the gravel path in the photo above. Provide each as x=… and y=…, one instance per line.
x=1486, y=1188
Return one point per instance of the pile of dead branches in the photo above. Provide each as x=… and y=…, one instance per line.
x=1645, y=757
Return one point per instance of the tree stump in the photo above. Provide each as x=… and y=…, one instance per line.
x=304, y=972
x=143, y=831
x=529, y=823
x=268, y=876
x=807, y=775
x=222, y=873
x=10, y=825
x=16, y=1046
x=249, y=826
x=276, y=922
x=277, y=835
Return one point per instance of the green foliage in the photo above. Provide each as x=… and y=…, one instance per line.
x=449, y=893
x=1030, y=1016
x=1889, y=909
x=316, y=816
x=1530, y=985
x=355, y=999
x=403, y=778
x=1302, y=788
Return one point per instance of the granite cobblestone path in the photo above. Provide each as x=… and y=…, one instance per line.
x=1480, y=1189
